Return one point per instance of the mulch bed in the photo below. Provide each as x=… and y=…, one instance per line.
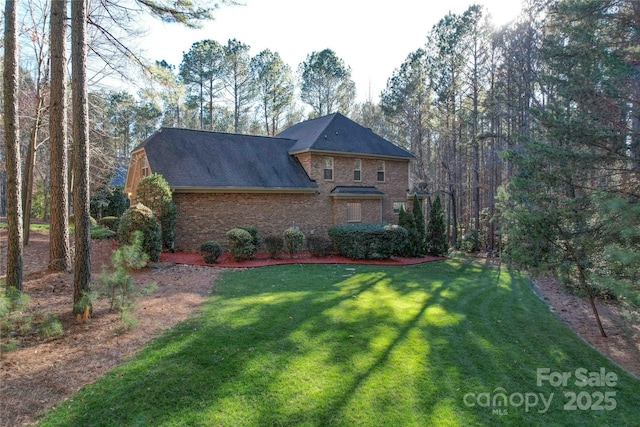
x=262, y=259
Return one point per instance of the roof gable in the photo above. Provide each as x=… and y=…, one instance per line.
x=201, y=159
x=337, y=133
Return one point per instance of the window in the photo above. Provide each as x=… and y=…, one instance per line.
x=357, y=170
x=381, y=171
x=398, y=205
x=146, y=170
x=354, y=212
x=328, y=168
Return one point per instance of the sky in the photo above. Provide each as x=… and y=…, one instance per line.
x=372, y=37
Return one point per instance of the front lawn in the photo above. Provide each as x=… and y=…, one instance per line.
x=445, y=343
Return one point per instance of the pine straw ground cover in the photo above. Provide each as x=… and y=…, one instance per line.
x=442, y=343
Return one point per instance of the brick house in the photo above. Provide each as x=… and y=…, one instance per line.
x=318, y=173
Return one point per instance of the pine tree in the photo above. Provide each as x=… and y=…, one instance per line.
x=407, y=221
x=436, y=233
x=421, y=231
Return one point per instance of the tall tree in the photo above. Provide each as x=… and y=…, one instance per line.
x=82, y=263
x=574, y=173
x=201, y=72
x=406, y=102
x=238, y=80
x=36, y=30
x=325, y=83
x=274, y=85
x=59, y=258
x=12, y=148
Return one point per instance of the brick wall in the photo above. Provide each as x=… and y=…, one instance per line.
x=208, y=216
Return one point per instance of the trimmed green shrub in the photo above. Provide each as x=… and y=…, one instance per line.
x=368, y=240
x=319, y=246
x=240, y=243
x=211, y=250
x=153, y=191
x=141, y=218
x=275, y=245
x=255, y=235
x=293, y=240
x=110, y=222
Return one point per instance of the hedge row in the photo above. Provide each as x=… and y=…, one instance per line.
x=368, y=240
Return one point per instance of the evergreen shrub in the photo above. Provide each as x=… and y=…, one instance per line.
x=141, y=218
x=110, y=222
x=319, y=246
x=368, y=240
x=255, y=235
x=293, y=240
x=240, y=243
x=275, y=245
x=153, y=191
x=211, y=250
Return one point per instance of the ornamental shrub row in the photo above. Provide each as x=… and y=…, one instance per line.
x=368, y=240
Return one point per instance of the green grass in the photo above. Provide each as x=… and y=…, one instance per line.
x=318, y=345
x=32, y=227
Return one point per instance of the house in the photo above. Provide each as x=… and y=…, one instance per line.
x=318, y=173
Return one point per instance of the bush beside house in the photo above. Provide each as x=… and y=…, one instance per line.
x=141, y=218
x=368, y=240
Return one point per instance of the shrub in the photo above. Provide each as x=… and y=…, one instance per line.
x=319, y=246
x=116, y=283
x=367, y=241
x=240, y=243
x=274, y=245
x=255, y=236
x=211, y=251
x=140, y=218
x=110, y=222
x=108, y=201
x=293, y=240
x=153, y=191
x=101, y=233
x=92, y=220
x=471, y=241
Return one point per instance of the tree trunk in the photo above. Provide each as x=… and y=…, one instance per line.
x=82, y=262
x=59, y=255
x=12, y=149
x=29, y=171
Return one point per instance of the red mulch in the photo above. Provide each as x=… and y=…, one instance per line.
x=262, y=259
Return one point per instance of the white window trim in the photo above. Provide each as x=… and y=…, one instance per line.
x=383, y=170
x=357, y=167
x=328, y=165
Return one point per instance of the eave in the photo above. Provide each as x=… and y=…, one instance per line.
x=246, y=190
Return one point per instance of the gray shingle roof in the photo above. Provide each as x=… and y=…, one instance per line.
x=357, y=191
x=337, y=133
x=200, y=159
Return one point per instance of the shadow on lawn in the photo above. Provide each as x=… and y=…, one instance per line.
x=345, y=345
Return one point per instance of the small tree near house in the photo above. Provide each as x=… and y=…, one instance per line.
x=153, y=191
x=418, y=217
x=436, y=233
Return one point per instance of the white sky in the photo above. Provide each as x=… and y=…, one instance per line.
x=373, y=37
